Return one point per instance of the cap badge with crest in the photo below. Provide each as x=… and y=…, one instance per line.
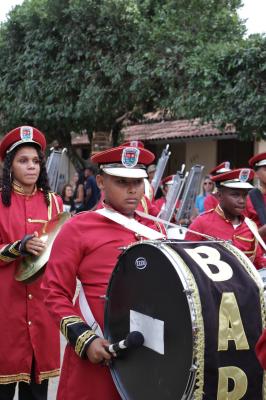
x=134, y=143
x=227, y=165
x=130, y=157
x=244, y=175
x=26, y=133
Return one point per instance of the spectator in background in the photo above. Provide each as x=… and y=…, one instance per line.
x=207, y=188
x=78, y=191
x=92, y=192
x=67, y=197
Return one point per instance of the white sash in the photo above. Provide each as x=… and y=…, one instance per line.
x=255, y=232
x=132, y=225
x=87, y=313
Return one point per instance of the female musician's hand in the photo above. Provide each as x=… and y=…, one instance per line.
x=96, y=352
x=35, y=245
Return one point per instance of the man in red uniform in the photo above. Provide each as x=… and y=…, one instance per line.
x=87, y=248
x=226, y=221
x=29, y=347
x=211, y=201
x=256, y=201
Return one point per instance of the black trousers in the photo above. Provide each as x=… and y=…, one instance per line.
x=26, y=391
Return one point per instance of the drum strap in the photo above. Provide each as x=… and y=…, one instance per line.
x=87, y=313
x=131, y=224
x=253, y=227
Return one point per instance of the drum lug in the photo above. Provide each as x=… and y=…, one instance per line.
x=123, y=248
x=188, y=291
x=104, y=297
x=193, y=368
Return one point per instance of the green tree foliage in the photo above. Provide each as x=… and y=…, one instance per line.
x=81, y=64
x=227, y=84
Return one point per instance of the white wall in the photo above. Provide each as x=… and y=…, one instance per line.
x=203, y=152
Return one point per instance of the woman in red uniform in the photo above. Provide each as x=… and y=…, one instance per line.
x=29, y=346
x=90, y=244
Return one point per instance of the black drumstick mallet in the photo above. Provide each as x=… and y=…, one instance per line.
x=133, y=340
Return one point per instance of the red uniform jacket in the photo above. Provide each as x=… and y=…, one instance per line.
x=26, y=327
x=214, y=223
x=86, y=248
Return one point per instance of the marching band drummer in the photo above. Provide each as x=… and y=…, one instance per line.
x=89, y=245
x=29, y=347
x=227, y=221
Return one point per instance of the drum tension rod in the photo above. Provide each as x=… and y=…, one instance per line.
x=188, y=291
x=193, y=368
x=104, y=297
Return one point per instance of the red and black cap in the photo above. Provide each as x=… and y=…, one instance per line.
x=221, y=168
x=237, y=178
x=19, y=136
x=124, y=161
x=259, y=160
x=168, y=180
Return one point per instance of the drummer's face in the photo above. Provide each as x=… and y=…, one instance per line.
x=232, y=201
x=26, y=167
x=122, y=194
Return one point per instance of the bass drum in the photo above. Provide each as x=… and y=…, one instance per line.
x=200, y=309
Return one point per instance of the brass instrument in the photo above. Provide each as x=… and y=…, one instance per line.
x=31, y=267
x=57, y=169
x=191, y=189
x=174, y=194
x=160, y=169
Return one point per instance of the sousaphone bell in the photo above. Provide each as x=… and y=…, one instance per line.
x=31, y=267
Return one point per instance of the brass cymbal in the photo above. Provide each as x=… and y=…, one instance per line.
x=31, y=266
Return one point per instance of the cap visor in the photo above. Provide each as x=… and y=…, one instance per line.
x=237, y=185
x=20, y=142
x=260, y=163
x=126, y=172
x=223, y=170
